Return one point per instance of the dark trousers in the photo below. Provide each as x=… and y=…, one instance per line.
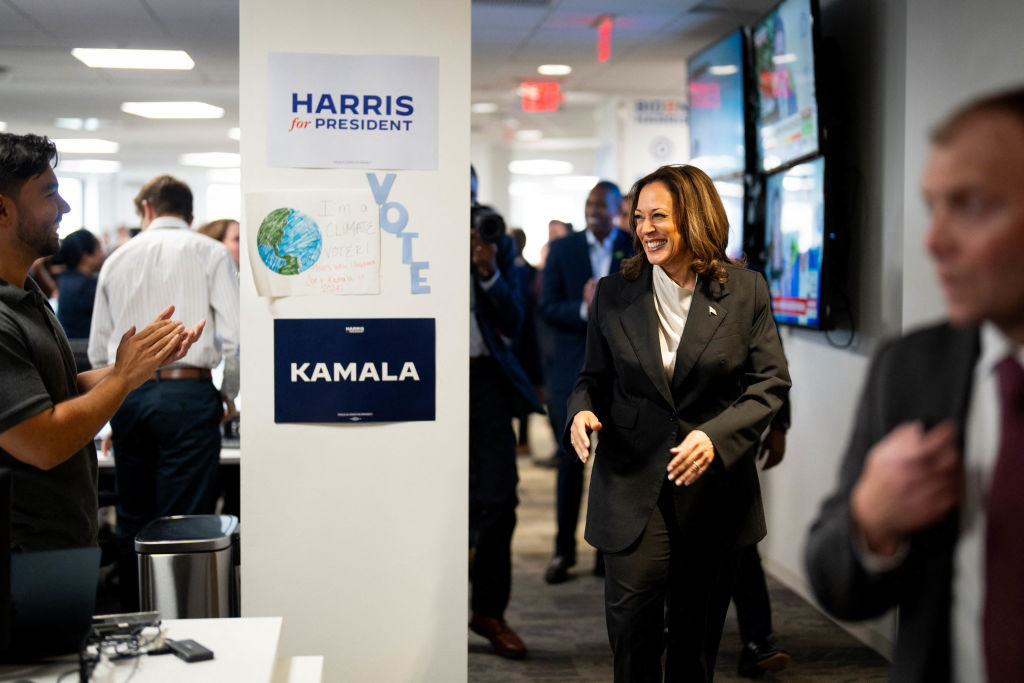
x=750, y=595
x=569, y=486
x=665, y=576
x=166, y=439
x=492, y=488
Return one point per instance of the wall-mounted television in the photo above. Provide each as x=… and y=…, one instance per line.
x=717, y=123
x=795, y=242
x=784, y=45
x=732, y=194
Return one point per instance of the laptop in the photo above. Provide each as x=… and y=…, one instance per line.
x=53, y=594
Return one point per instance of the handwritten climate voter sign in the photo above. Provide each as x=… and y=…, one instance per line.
x=308, y=242
x=352, y=111
x=354, y=370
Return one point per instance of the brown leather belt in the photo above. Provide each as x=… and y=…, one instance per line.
x=182, y=373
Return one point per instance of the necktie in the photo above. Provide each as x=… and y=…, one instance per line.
x=1004, y=536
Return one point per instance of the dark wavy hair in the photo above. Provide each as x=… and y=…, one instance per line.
x=74, y=247
x=697, y=213
x=21, y=157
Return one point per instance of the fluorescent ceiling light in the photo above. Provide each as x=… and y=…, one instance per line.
x=173, y=110
x=210, y=159
x=529, y=135
x=723, y=70
x=235, y=133
x=787, y=58
x=78, y=124
x=483, y=107
x=540, y=167
x=133, y=59
x=554, y=69
x=89, y=166
x=86, y=146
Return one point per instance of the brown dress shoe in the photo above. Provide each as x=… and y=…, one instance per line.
x=503, y=639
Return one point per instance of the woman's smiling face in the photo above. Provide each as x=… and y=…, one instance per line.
x=658, y=230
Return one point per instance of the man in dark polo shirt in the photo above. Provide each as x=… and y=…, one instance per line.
x=49, y=413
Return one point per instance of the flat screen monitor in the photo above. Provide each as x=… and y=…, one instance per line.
x=717, y=133
x=731, y=192
x=795, y=242
x=786, y=90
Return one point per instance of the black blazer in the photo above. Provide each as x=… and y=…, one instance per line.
x=566, y=270
x=730, y=378
x=925, y=376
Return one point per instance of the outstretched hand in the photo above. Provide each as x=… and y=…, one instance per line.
x=583, y=423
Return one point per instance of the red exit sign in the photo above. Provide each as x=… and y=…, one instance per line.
x=540, y=96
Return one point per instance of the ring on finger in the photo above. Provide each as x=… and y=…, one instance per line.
x=696, y=465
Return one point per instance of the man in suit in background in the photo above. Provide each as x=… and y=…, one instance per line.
x=928, y=512
x=574, y=265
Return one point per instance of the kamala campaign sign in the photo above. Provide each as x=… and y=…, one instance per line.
x=354, y=370
x=352, y=111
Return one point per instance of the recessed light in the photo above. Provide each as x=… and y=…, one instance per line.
x=554, y=69
x=235, y=133
x=540, y=167
x=484, y=108
x=86, y=146
x=3, y=126
x=210, y=159
x=104, y=166
x=173, y=110
x=529, y=135
x=133, y=59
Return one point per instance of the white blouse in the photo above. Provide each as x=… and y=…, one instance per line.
x=672, y=304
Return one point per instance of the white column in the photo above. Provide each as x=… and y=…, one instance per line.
x=357, y=534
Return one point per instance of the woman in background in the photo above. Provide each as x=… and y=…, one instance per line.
x=683, y=371
x=81, y=254
x=225, y=231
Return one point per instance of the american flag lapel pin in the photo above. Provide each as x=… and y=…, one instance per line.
x=712, y=311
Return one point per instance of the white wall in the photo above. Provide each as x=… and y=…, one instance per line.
x=356, y=534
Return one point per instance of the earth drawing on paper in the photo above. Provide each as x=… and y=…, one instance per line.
x=289, y=241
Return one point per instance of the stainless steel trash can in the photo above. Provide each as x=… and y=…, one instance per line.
x=188, y=566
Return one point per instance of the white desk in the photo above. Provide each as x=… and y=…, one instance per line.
x=244, y=650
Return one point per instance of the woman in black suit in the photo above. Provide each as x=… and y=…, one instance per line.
x=683, y=372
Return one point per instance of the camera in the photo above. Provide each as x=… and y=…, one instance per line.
x=487, y=222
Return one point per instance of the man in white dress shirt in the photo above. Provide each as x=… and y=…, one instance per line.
x=166, y=435
x=928, y=512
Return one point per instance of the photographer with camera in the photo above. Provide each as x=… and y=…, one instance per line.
x=498, y=389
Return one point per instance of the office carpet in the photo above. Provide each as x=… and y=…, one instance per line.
x=563, y=625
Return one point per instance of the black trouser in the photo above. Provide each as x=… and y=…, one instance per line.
x=750, y=595
x=166, y=438
x=692, y=577
x=492, y=488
